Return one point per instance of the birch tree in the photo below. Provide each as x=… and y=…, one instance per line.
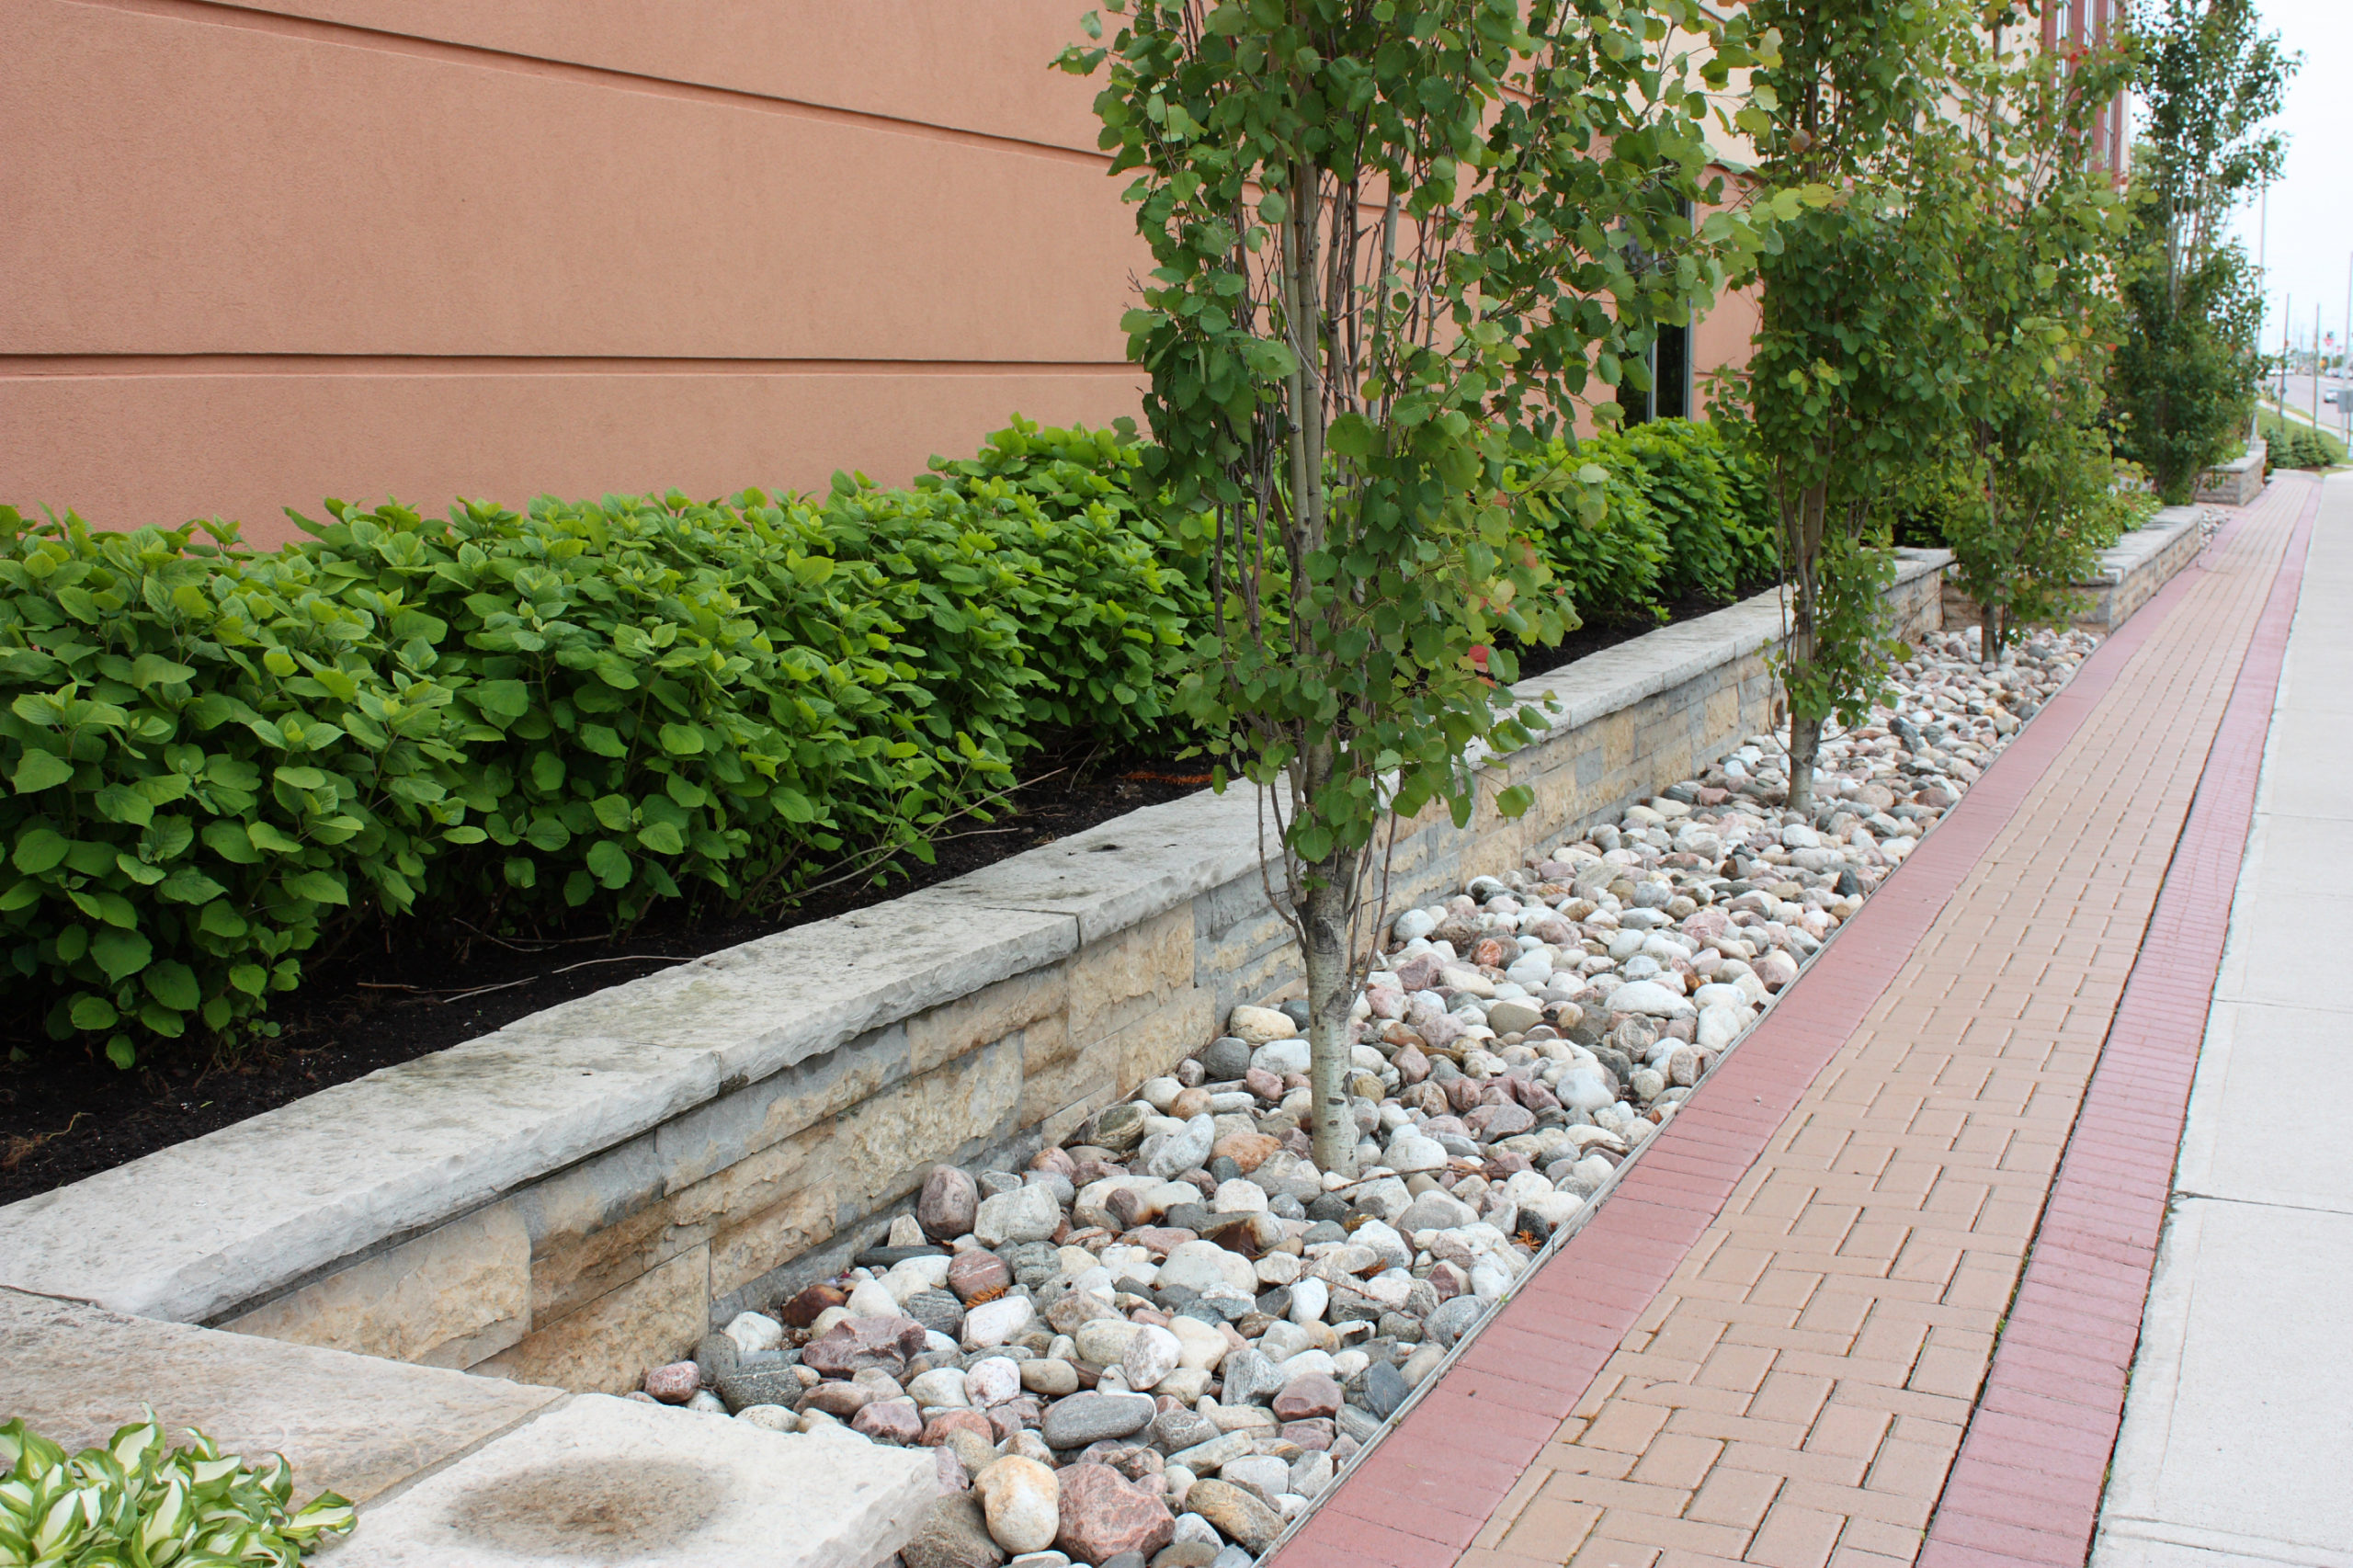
x=1394, y=245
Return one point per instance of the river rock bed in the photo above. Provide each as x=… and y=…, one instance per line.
x=1157, y=1345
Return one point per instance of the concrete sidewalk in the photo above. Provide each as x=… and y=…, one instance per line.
x=2237, y=1444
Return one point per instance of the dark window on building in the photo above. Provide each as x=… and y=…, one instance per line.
x=1669, y=396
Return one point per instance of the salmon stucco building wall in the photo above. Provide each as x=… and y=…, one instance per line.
x=262, y=251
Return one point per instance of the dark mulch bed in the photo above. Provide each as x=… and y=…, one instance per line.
x=425, y=985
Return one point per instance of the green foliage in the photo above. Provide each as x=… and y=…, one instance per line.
x=1629, y=522
x=2035, y=494
x=1389, y=251
x=2185, y=372
x=2291, y=445
x=658, y=692
x=1107, y=594
x=1858, y=359
x=212, y=754
x=1709, y=500
x=137, y=1504
x=2184, y=375
x=217, y=757
x=2022, y=536
x=1586, y=512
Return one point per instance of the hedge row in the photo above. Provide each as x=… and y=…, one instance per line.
x=1684, y=515
x=218, y=755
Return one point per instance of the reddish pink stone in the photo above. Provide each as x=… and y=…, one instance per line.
x=889, y=1421
x=936, y=1431
x=1160, y=1240
x=675, y=1383
x=1311, y=1434
x=976, y=1272
x=1308, y=1398
x=851, y=1347
x=1104, y=1515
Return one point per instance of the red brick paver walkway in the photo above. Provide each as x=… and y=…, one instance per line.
x=1768, y=1344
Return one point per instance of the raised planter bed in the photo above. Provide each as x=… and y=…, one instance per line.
x=584, y=1192
x=2236, y=482
x=2130, y=572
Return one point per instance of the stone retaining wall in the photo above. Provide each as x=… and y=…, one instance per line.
x=2130, y=573
x=2236, y=482
x=584, y=1192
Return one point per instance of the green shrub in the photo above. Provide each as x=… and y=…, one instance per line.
x=136, y=1503
x=658, y=692
x=1108, y=595
x=1709, y=502
x=2291, y=445
x=1667, y=510
x=211, y=752
x=221, y=757
x=217, y=754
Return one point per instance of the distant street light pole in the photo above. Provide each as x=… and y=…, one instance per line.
x=2286, y=343
x=2263, y=288
x=2315, y=366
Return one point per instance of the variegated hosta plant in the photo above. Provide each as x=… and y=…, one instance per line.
x=139, y=1503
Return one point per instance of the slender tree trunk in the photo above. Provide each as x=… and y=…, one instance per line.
x=1805, y=744
x=1324, y=910
x=1330, y=990
x=1805, y=730
x=1989, y=636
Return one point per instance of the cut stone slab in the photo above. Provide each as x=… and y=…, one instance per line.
x=613, y=1481
x=349, y=1423
x=1121, y=873
x=289, y=1192
x=1616, y=678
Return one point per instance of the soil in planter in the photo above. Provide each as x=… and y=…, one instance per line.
x=425, y=986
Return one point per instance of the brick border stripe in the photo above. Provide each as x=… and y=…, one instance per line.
x=2026, y=1485
x=1427, y=1486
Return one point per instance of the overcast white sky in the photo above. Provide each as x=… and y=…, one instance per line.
x=2311, y=228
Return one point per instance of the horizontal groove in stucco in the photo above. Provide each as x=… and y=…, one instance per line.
x=130, y=450
x=261, y=18
x=277, y=364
